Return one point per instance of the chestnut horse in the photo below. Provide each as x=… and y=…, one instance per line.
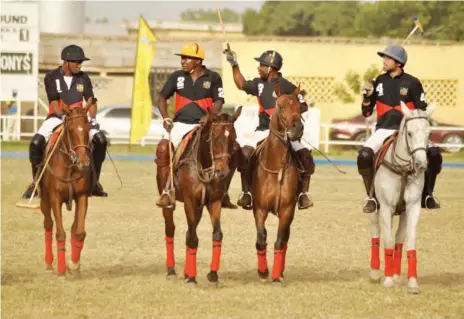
x=67, y=177
x=275, y=180
x=200, y=174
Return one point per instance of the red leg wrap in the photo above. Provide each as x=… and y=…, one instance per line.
x=61, y=256
x=217, y=245
x=49, y=248
x=389, y=263
x=170, y=263
x=278, y=263
x=397, y=258
x=412, y=264
x=191, y=262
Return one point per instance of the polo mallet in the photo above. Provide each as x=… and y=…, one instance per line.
x=222, y=25
x=28, y=204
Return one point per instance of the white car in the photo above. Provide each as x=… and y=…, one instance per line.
x=115, y=120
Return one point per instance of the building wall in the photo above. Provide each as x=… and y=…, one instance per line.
x=319, y=66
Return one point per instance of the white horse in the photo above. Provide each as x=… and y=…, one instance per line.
x=401, y=176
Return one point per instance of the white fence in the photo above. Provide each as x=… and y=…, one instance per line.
x=245, y=125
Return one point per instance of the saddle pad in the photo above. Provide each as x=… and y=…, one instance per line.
x=183, y=146
x=379, y=157
x=54, y=138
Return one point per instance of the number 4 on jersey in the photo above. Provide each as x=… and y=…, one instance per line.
x=379, y=89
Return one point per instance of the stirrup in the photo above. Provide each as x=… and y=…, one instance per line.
x=369, y=199
x=166, y=192
x=309, y=198
x=243, y=194
x=432, y=197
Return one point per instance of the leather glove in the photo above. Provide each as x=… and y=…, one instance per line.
x=368, y=88
x=231, y=56
x=94, y=125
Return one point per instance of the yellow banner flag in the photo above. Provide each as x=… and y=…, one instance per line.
x=141, y=98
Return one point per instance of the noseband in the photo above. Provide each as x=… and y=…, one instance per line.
x=69, y=149
x=410, y=165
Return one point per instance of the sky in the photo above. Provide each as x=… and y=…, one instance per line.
x=115, y=11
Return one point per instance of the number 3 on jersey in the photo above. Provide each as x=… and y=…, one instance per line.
x=379, y=89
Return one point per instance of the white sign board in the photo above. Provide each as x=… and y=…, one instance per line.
x=248, y=121
x=19, y=49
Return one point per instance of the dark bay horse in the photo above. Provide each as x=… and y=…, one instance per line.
x=67, y=177
x=200, y=174
x=275, y=181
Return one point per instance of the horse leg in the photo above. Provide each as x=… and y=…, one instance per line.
x=60, y=235
x=261, y=242
x=78, y=233
x=283, y=234
x=193, y=214
x=386, y=226
x=48, y=226
x=214, y=210
x=413, y=214
x=399, y=240
x=374, y=274
x=169, y=230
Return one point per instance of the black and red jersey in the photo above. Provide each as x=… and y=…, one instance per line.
x=193, y=99
x=264, y=90
x=68, y=90
x=388, y=92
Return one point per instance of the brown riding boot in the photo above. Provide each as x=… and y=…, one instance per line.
x=305, y=157
x=245, y=200
x=370, y=204
x=162, y=175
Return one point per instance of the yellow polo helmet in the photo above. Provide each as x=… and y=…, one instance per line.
x=192, y=50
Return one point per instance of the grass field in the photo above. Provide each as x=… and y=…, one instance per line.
x=327, y=261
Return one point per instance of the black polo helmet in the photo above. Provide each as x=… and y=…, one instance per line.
x=73, y=53
x=271, y=58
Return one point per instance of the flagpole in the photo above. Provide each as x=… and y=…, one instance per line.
x=134, y=82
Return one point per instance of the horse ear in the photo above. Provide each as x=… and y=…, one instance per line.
x=406, y=111
x=277, y=88
x=297, y=90
x=430, y=109
x=65, y=108
x=89, y=104
x=237, y=114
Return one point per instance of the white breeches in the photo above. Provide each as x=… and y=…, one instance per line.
x=258, y=136
x=375, y=141
x=47, y=127
x=178, y=131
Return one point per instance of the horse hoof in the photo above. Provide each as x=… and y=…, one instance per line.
x=171, y=273
x=48, y=268
x=396, y=279
x=277, y=282
x=374, y=276
x=191, y=282
x=388, y=282
x=413, y=286
x=263, y=275
x=213, y=277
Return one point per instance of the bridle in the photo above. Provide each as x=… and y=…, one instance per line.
x=69, y=149
x=400, y=165
x=281, y=134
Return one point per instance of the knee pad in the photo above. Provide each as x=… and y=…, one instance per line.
x=162, y=153
x=435, y=159
x=246, y=153
x=365, y=160
x=36, y=149
x=306, y=158
x=100, y=139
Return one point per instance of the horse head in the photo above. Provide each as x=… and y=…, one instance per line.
x=288, y=115
x=76, y=135
x=414, y=133
x=220, y=141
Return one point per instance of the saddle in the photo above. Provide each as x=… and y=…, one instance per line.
x=380, y=155
x=180, y=153
x=53, y=139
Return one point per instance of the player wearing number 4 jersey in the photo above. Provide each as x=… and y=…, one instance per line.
x=270, y=62
x=385, y=93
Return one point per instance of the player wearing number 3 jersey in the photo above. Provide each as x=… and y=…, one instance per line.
x=270, y=62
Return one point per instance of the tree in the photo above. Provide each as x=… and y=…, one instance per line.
x=349, y=91
x=228, y=16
